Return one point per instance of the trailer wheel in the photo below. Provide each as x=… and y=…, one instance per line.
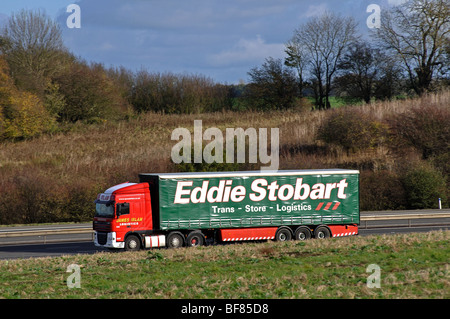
x=195, y=239
x=302, y=233
x=132, y=243
x=283, y=234
x=322, y=232
x=175, y=240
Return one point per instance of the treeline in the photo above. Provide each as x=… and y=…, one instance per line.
x=171, y=93
x=409, y=54
x=43, y=85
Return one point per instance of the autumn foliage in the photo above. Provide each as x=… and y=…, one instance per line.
x=22, y=114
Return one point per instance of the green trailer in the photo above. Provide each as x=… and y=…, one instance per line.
x=192, y=208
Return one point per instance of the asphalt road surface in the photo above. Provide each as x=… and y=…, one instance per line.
x=48, y=250
x=88, y=247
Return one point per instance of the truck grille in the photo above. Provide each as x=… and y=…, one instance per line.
x=102, y=238
x=102, y=226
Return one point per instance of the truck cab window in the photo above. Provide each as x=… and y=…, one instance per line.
x=123, y=209
x=104, y=209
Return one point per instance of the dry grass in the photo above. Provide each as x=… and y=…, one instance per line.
x=146, y=139
x=94, y=157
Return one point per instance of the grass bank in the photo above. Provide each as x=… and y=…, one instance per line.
x=411, y=266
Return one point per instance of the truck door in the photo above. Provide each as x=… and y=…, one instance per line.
x=122, y=225
x=122, y=209
x=130, y=214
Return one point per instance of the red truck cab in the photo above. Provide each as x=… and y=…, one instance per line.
x=120, y=211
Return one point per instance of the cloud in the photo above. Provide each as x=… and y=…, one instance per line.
x=180, y=35
x=316, y=10
x=221, y=39
x=247, y=50
x=396, y=2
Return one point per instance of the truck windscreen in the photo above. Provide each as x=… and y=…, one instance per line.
x=103, y=209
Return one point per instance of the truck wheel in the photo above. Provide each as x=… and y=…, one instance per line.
x=195, y=239
x=322, y=232
x=283, y=234
x=132, y=243
x=302, y=233
x=175, y=240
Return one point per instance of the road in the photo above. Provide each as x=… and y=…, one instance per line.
x=87, y=247
x=57, y=232
x=48, y=250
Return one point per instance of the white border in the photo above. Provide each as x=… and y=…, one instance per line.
x=253, y=173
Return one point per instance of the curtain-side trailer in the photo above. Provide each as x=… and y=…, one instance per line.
x=191, y=209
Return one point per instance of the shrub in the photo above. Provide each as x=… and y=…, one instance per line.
x=424, y=185
x=352, y=129
x=22, y=114
x=381, y=191
x=79, y=206
x=33, y=197
x=172, y=93
x=26, y=193
x=89, y=95
x=27, y=117
x=214, y=166
x=425, y=128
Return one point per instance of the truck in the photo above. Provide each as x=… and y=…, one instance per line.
x=193, y=209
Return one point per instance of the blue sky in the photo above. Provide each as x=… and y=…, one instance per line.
x=220, y=39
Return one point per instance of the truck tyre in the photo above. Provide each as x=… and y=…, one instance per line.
x=132, y=243
x=302, y=233
x=283, y=234
x=322, y=232
x=175, y=240
x=195, y=239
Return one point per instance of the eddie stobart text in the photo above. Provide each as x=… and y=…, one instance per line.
x=260, y=189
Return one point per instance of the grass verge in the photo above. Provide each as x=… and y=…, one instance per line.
x=411, y=266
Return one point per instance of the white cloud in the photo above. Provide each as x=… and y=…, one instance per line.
x=396, y=2
x=247, y=50
x=316, y=10
x=218, y=38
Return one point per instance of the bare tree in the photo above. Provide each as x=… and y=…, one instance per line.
x=297, y=59
x=33, y=46
x=417, y=33
x=322, y=41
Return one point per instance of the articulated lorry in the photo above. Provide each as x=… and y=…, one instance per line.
x=192, y=209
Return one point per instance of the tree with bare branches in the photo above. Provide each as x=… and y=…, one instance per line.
x=319, y=45
x=33, y=47
x=417, y=33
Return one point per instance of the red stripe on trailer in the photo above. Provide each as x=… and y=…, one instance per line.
x=343, y=230
x=238, y=234
x=328, y=205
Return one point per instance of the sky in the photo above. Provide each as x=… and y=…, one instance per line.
x=221, y=39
